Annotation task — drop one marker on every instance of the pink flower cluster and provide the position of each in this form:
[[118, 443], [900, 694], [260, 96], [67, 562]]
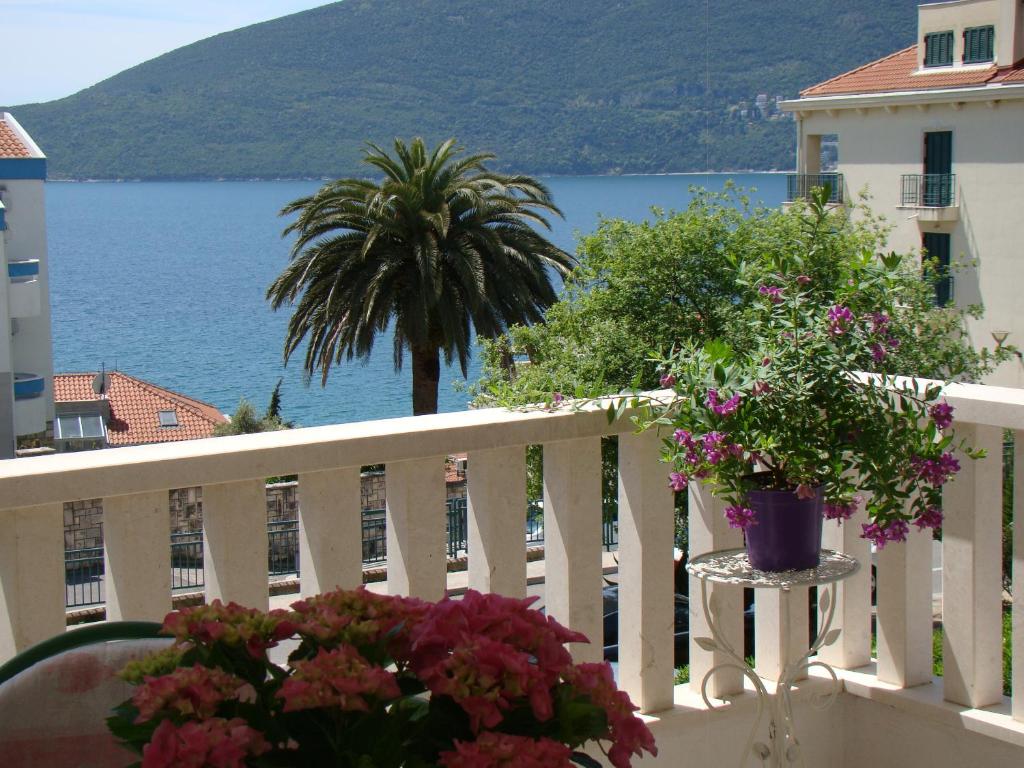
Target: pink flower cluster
[[935, 472], [212, 743], [941, 414], [667, 380], [930, 518], [337, 678], [722, 409], [882, 533], [360, 617], [841, 510], [740, 517], [191, 691], [840, 319], [701, 453], [231, 624], [884, 341], [629, 733], [772, 292], [501, 750]]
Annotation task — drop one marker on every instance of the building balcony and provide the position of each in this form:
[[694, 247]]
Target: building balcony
[[799, 186], [29, 404], [890, 710], [23, 289], [932, 195]]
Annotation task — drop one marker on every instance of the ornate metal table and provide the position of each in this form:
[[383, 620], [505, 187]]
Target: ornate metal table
[[730, 566]]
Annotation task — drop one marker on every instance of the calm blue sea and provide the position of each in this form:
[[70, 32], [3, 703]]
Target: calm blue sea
[[166, 281]]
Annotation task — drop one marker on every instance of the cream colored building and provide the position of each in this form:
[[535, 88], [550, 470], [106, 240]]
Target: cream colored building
[[26, 356], [935, 135]]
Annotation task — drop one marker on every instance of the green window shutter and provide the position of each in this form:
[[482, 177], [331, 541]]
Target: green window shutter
[[979, 44], [938, 49]]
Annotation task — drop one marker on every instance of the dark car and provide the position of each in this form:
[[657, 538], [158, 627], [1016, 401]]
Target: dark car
[[610, 597]]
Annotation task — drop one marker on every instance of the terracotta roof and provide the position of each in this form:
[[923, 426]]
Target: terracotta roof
[[10, 143], [135, 406], [899, 72]]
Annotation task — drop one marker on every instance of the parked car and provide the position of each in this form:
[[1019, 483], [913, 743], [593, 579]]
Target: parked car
[[610, 596]]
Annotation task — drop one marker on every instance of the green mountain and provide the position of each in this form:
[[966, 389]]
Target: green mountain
[[551, 86]]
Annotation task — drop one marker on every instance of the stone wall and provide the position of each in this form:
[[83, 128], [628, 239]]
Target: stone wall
[[83, 520]]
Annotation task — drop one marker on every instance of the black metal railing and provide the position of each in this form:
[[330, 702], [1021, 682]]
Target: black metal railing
[[928, 190], [799, 186], [84, 567]]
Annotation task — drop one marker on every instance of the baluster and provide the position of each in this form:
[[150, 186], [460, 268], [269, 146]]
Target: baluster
[[137, 556], [781, 629], [903, 595], [853, 596], [972, 576], [235, 545], [415, 501], [572, 540], [32, 588], [330, 530], [709, 531], [496, 510], [1017, 648], [646, 611]]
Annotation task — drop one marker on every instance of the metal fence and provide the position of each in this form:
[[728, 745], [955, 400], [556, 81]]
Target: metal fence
[[799, 185], [928, 190], [84, 567]]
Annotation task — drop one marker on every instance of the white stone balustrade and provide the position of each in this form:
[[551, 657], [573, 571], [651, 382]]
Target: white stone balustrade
[[961, 720]]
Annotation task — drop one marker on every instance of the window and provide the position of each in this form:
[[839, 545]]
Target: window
[[69, 426], [938, 49], [979, 44], [168, 418], [936, 252]]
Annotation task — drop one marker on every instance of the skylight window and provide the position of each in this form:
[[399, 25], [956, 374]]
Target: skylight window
[[71, 426], [168, 418], [938, 49]]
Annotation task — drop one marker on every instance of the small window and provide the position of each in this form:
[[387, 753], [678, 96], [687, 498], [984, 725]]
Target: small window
[[938, 49], [979, 44], [72, 426], [168, 418]]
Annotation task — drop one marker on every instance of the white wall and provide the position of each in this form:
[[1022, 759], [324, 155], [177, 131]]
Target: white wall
[[877, 145]]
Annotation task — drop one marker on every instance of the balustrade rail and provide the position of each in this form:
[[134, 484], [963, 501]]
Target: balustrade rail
[[928, 190], [799, 186], [976, 723]]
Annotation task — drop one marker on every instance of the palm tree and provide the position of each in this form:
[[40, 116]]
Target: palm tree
[[441, 246]]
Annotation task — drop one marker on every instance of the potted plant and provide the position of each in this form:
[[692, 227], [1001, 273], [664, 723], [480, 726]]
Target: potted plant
[[782, 426], [375, 682]]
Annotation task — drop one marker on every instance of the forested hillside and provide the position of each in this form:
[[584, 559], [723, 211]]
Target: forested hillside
[[566, 86]]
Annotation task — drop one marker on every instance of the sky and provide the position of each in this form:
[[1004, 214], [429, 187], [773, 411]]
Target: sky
[[54, 48]]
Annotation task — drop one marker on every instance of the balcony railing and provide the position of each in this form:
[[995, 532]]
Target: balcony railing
[[959, 719], [928, 190], [799, 186]]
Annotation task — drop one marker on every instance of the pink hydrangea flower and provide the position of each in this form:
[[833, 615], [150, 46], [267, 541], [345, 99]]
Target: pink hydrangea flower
[[191, 691], [337, 678], [498, 750], [630, 736], [231, 624], [217, 743]]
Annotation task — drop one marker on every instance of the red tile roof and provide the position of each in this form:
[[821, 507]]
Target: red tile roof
[[899, 72], [135, 406], [11, 144]]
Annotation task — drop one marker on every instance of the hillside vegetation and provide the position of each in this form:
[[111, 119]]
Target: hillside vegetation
[[570, 87]]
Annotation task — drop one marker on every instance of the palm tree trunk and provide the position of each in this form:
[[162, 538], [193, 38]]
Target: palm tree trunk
[[426, 372]]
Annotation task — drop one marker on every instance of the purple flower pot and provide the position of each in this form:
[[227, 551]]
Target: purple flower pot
[[786, 535]]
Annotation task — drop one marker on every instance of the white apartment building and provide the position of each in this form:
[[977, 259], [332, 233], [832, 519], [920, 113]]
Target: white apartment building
[[935, 135], [26, 356]]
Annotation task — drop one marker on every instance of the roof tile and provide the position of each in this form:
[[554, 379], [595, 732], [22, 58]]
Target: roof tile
[[11, 144], [899, 72], [134, 409]]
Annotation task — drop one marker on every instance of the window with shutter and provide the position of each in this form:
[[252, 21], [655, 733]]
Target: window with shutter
[[938, 49], [979, 44]]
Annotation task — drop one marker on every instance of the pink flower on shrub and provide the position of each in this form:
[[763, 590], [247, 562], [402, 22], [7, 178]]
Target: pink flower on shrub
[[935, 472], [497, 750], [231, 624], [772, 292], [841, 510], [804, 491], [803, 279], [762, 388], [217, 743], [722, 409], [629, 734], [930, 518], [190, 691], [557, 398], [667, 380], [874, 533], [338, 678], [941, 414], [840, 319], [682, 437], [880, 535], [740, 517], [878, 352], [677, 481]]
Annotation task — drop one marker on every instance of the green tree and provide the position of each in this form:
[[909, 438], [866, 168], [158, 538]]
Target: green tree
[[246, 421], [440, 247]]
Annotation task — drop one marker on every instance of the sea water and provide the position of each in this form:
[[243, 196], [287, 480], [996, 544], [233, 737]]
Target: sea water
[[167, 282]]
